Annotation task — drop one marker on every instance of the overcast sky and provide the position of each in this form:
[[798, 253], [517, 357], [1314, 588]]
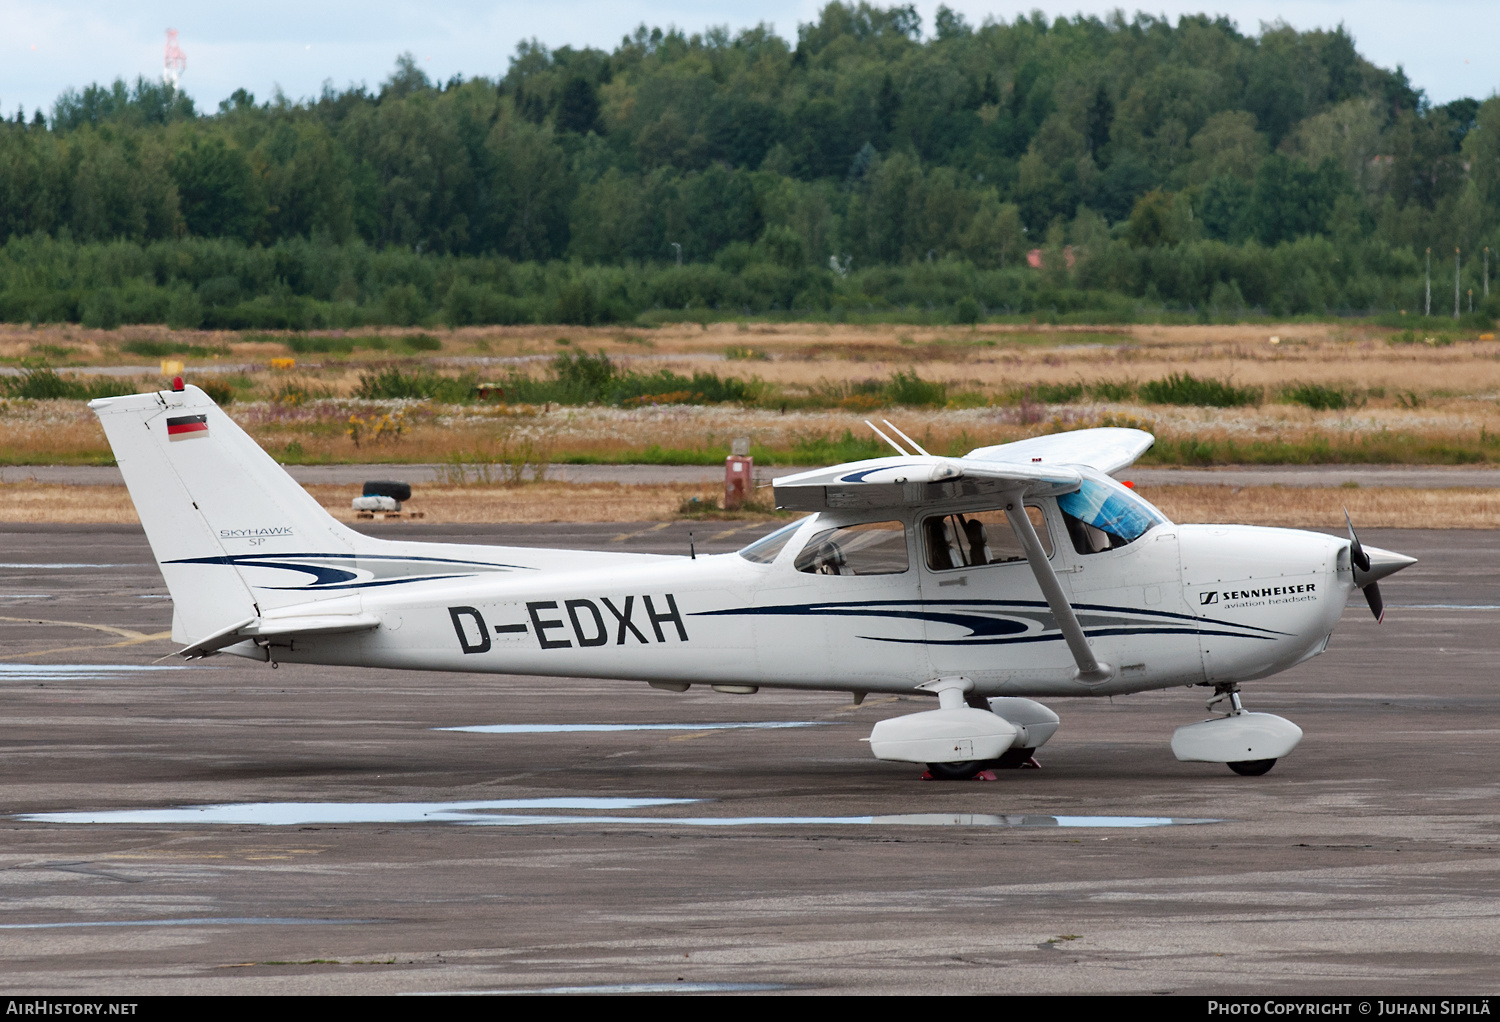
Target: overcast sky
[[1448, 47]]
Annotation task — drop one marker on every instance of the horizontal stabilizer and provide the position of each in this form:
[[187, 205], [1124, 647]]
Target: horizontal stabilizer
[[279, 628]]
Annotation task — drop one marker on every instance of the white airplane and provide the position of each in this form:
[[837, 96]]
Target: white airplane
[[1016, 572]]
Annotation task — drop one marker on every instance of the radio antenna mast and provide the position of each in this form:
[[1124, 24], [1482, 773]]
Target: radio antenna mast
[[174, 62]]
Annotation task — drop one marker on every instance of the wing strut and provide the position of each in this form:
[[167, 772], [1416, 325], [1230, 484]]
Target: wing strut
[[899, 448], [1090, 670]]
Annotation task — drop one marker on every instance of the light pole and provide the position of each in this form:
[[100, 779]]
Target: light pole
[[1455, 283], [679, 251], [1486, 271], [1427, 308]]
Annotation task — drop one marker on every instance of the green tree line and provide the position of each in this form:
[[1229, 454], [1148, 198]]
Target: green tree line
[[868, 165]]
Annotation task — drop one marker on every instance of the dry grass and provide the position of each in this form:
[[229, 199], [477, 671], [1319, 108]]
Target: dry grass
[[1440, 395], [1320, 507], [58, 432], [539, 502], [1297, 507], [66, 505]]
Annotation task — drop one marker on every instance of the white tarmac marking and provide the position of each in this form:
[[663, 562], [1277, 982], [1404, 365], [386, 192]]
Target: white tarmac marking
[[730, 532], [281, 814], [78, 672], [614, 988], [21, 564], [554, 729], [210, 921], [622, 537]]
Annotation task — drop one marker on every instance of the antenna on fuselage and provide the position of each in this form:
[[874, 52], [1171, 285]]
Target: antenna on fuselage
[[888, 439], [903, 436]]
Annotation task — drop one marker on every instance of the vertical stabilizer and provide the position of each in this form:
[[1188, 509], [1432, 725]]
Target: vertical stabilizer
[[213, 504]]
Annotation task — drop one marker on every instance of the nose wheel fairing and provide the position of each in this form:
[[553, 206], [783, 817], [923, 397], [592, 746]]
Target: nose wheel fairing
[[1243, 738], [1248, 743]]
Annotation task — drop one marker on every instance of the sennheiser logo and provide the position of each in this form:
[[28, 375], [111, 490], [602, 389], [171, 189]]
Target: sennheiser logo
[[1204, 599]]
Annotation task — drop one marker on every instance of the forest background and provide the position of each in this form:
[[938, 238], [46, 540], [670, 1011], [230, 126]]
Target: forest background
[[864, 171]]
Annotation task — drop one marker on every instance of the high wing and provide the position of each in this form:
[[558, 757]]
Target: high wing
[[1041, 466], [1107, 449]]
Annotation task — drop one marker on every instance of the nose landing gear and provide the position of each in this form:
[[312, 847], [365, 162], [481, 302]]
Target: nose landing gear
[[1248, 743]]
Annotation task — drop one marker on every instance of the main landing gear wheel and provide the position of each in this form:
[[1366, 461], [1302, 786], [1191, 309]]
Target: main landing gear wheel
[[962, 771], [1252, 767]]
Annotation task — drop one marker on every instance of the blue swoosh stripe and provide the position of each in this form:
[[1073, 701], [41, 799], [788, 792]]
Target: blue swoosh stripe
[[1058, 636], [326, 577], [343, 555], [859, 477], [364, 585], [869, 608]]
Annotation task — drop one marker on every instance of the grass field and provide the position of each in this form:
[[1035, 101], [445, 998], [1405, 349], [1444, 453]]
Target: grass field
[[1321, 393]]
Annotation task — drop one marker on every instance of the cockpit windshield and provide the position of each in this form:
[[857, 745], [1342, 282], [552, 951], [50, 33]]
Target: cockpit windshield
[[1103, 515], [765, 549]]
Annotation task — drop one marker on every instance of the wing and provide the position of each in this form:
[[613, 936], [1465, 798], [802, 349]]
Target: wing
[[1025, 468], [920, 479], [1041, 466], [1108, 449]]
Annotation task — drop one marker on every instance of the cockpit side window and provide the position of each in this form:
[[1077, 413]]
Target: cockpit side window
[[873, 548], [977, 538], [1106, 516]]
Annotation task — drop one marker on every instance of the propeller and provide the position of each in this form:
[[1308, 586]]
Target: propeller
[[1360, 561], [1372, 565]]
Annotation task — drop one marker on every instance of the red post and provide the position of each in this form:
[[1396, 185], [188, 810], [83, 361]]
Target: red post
[[739, 480]]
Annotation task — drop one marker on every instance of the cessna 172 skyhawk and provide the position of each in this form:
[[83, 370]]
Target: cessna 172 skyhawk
[[1016, 572]]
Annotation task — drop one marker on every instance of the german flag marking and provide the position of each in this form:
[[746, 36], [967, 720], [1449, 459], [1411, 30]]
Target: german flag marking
[[186, 427]]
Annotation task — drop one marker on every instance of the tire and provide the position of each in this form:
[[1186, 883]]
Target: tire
[[1252, 767], [963, 771], [1013, 759]]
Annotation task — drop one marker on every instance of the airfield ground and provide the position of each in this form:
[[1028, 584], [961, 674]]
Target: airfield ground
[[1374, 395], [1365, 862]]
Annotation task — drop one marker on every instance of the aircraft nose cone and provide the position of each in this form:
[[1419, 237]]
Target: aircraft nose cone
[[1382, 563]]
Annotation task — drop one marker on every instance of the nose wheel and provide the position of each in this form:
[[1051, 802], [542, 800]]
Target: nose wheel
[[1248, 743], [1252, 767], [1230, 695]]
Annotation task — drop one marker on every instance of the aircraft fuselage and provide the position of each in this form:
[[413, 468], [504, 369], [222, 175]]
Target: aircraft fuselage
[[1182, 605]]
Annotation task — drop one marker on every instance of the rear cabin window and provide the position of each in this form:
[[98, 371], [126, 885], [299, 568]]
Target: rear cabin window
[[977, 538], [1106, 516], [874, 548]]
